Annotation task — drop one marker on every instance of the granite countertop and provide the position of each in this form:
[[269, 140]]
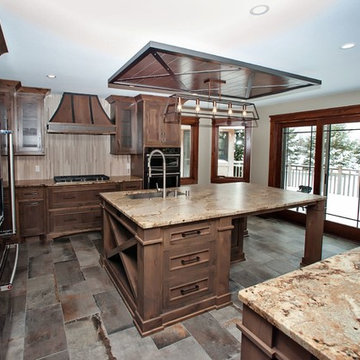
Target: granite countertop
[[317, 306], [50, 182], [207, 202]]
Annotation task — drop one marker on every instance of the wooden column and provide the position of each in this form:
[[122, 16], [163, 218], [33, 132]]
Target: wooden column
[[149, 291], [314, 233], [223, 251]]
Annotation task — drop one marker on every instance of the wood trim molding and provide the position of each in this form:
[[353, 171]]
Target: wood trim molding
[[305, 118], [194, 157], [214, 153]]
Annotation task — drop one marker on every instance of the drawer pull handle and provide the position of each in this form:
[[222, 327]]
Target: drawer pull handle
[[190, 261], [36, 203], [31, 193], [189, 233], [67, 197], [70, 220], [189, 290]]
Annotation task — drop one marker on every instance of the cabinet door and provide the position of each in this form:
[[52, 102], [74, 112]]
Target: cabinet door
[[128, 137], [31, 217], [29, 118], [153, 123], [171, 134]]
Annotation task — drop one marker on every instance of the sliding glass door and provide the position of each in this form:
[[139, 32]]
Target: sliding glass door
[[341, 172]]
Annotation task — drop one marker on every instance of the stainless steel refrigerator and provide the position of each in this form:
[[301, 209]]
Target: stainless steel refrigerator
[[9, 249]]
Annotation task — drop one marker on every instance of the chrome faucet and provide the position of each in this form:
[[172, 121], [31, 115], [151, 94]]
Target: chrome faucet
[[157, 151]]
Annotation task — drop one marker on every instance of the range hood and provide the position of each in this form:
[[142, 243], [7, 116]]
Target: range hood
[[164, 68], [80, 114]]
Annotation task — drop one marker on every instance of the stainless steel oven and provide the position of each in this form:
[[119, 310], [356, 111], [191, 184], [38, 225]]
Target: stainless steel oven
[[172, 160]]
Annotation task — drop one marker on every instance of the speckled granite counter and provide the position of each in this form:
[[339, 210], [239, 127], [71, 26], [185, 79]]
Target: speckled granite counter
[[317, 306], [208, 202]]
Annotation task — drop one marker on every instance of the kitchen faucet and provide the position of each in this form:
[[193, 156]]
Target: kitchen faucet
[[157, 151]]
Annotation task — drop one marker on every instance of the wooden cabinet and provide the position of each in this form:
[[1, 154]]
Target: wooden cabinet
[[140, 122], [75, 208], [157, 132], [31, 209], [167, 274], [128, 137], [22, 111]]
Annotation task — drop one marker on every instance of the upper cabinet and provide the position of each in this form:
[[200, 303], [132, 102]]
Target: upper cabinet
[[22, 111], [140, 122], [29, 120]]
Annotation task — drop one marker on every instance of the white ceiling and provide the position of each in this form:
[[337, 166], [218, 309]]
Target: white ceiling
[[83, 42]]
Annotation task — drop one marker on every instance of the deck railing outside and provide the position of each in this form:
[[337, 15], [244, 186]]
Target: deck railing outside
[[341, 181]]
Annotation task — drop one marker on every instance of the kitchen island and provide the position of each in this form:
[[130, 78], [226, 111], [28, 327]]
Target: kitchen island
[[311, 313], [170, 258]]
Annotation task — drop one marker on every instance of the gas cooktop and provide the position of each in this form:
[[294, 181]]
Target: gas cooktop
[[77, 178]]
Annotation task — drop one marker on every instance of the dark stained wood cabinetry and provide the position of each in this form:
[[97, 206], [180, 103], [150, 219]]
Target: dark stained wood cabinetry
[[31, 209], [72, 208], [167, 274], [140, 122], [156, 131], [57, 210], [22, 111]]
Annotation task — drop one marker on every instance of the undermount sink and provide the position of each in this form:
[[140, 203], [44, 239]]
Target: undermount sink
[[150, 195]]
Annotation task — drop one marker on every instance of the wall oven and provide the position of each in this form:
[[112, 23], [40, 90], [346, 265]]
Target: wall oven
[[172, 160]]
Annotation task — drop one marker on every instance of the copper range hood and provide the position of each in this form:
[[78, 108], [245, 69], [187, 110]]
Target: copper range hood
[[80, 114]]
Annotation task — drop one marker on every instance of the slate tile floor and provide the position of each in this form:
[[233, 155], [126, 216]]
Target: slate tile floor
[[65, 306]]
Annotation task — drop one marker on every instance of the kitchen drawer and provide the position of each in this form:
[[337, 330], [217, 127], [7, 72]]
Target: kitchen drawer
[[62, 220], [30, 193], [184, 235], [131, 185], [185, 293], [78, 195], [188, 260]]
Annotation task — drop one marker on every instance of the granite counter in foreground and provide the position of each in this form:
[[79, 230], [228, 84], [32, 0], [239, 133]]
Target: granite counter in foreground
[[317, 306]]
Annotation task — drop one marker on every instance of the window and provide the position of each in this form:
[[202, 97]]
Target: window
[[230, 159], [189, 150]]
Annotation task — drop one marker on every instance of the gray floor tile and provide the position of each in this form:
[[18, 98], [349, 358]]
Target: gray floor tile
[[62, 251], [45, 333], [83, 340], [186, 349], [62, 355], [41, 264], [114, 313], [15, 349], [41, 291], [97, 279], [87, 256], [129, 345], [215, 340], [68, 273], [18, 317]]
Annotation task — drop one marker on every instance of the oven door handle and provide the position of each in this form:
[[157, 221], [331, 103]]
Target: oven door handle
[[9, 285]]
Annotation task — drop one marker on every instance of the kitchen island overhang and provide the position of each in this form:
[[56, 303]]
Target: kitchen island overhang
[[170, 258]]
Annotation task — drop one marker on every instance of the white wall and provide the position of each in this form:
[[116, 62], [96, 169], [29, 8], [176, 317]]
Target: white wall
[[204, 159], [261, 135]]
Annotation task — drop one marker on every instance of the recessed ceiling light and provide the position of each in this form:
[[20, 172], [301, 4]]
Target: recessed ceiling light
[[259, 9], [51, 76], [346, 46]]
